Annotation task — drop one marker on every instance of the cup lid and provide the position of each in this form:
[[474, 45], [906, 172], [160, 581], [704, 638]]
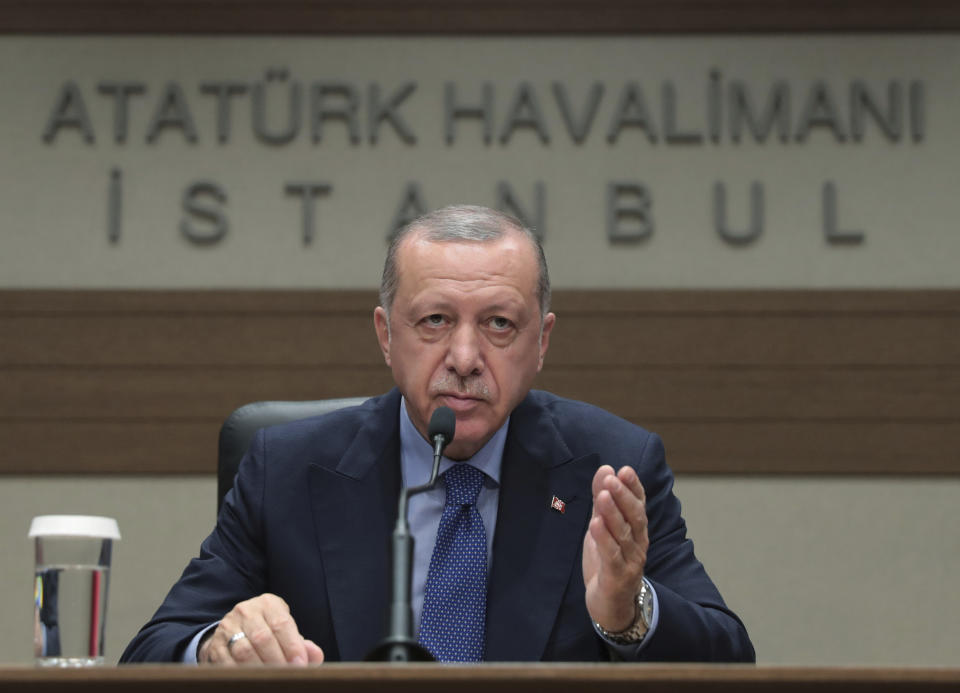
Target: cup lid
[[74, 526]]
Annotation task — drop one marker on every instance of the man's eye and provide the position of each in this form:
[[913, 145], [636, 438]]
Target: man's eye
[[434, 320], [500, 323]]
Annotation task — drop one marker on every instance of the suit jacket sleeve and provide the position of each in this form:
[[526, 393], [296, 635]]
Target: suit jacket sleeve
[[229, 569], [694, 623]]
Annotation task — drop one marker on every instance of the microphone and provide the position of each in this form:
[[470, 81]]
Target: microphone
[[443, 426], [399, 645]]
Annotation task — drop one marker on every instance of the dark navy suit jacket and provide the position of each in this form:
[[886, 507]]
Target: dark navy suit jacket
[[313, 508]]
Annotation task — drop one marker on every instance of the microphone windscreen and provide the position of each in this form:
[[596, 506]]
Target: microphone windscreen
[[443, 422]]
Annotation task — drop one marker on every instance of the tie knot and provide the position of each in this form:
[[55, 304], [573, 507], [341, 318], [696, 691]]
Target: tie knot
[[463, 484]]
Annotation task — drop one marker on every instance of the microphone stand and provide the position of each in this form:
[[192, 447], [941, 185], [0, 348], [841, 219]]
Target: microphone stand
[[399, 645]]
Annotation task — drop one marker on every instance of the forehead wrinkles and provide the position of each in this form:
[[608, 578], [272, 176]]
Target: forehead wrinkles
[[466, 266]]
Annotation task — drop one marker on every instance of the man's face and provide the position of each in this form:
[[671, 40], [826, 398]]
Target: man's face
[[465, 332]]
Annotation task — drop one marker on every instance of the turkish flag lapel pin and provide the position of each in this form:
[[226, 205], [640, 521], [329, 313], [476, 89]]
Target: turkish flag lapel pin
[[558, 505]]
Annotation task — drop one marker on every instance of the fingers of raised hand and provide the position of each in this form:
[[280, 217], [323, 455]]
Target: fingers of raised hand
[[620, 504], [604, 544], [628, 476], [598, 478]]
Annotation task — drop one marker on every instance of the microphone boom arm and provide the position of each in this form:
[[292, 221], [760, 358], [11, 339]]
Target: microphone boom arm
[[399, 645]]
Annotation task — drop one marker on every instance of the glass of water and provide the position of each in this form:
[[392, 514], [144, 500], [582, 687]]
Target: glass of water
[[71, 581]]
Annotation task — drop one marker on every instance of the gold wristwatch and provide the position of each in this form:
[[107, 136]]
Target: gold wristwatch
[[641, 622]]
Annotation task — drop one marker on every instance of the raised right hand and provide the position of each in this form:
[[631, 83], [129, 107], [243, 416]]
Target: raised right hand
[[270, 636]]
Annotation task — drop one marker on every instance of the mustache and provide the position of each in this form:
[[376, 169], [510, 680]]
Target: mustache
[[470, 386]]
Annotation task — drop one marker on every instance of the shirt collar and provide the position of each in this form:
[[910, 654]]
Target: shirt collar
[[416, 454]]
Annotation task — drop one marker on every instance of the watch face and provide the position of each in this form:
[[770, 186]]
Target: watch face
[[646, 606], [647, 610]]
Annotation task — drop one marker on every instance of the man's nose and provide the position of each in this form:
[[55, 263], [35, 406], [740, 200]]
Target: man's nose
[[464, 352]]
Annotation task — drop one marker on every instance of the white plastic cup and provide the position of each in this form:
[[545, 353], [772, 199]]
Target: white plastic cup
[[71, 581]]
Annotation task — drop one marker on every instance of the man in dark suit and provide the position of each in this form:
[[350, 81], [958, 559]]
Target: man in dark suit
[[586, 552]]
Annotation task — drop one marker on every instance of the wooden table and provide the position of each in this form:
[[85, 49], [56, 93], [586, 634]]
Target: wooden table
[[497, 678]]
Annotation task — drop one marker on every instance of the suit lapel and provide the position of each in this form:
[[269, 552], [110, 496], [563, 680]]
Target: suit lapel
[[535, 547], [354, 508]]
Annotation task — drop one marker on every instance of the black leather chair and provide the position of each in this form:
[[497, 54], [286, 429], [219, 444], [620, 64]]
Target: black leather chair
[[237, 431]]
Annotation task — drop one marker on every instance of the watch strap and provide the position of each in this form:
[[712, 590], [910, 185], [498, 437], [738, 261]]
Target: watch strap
[[637, 630]]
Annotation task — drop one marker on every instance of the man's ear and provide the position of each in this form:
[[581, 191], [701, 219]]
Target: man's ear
[[548, 323], [381, 323]]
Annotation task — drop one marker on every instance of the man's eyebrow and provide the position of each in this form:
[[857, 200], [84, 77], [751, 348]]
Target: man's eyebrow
[[505, 306], [431, 306], [427, 306]]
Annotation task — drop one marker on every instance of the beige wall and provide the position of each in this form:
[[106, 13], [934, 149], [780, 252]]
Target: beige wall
[[54, 196], [822, 571]]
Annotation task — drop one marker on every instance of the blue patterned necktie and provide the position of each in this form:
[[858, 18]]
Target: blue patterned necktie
[[453, 621]]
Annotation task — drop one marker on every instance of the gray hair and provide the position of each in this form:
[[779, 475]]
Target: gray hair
[[462, 223]]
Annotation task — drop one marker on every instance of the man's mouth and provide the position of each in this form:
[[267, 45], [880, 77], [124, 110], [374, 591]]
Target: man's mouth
[[459, 401]]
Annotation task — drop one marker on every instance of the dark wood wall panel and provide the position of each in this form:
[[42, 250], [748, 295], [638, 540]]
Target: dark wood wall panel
[[763, 382], [773, 339], [102, 393], [763, 394], [472, 17], [810, 447], [196, 338], [728, 328], [123, 446], [637, 394]]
